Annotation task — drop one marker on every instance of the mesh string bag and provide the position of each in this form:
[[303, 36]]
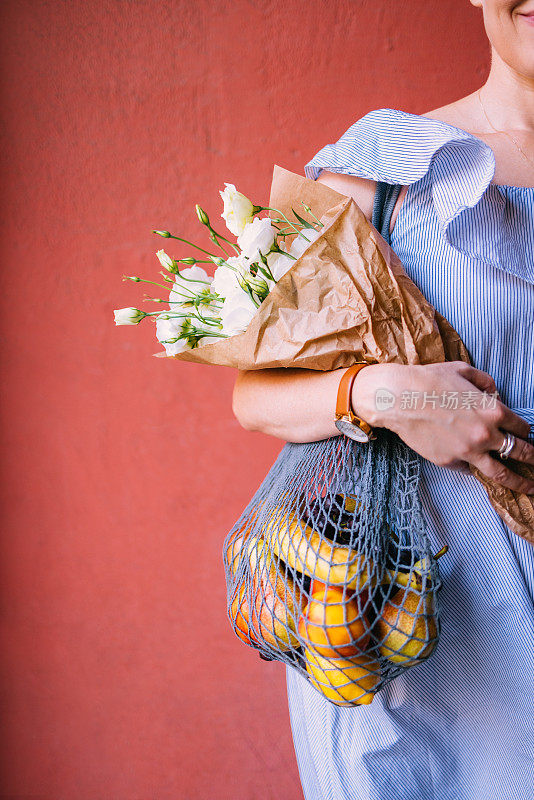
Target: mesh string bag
[[329, 568]]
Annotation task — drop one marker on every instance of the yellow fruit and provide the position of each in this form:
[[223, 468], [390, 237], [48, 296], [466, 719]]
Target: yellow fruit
[[239, 538], [278, 601], [332, 625], [240, 616], [342, 681], [233, 552], [414, 577], [407, 630], [306, 551]]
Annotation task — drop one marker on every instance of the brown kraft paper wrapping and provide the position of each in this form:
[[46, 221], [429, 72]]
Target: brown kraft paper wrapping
[[348, 299]]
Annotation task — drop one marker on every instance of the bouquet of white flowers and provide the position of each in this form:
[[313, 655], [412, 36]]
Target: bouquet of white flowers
[[204, 309], [318, 289]]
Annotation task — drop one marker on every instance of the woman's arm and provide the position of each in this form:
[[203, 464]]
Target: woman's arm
[[292, 404], [298, 405]]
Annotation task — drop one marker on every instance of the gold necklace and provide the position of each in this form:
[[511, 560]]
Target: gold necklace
[[509, 135]]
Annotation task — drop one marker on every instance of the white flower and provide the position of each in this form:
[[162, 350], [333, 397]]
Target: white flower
[[170, 329], [174, 327], [257, 237], [128, 316], [188, 284], [225, 281], [203, 317], [237, 311], [183, 313], [279, 264], [300, 243], [238, 210]]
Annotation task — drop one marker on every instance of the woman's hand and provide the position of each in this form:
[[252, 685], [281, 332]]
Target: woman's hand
[[446, 413]]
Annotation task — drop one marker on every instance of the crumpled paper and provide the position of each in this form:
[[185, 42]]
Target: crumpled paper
[[348, 299]]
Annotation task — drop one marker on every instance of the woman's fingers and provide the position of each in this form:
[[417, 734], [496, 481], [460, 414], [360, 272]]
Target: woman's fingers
[[521, 451], [508, 420], [460, 466], [478, 378], [504, 417], [497, 471]]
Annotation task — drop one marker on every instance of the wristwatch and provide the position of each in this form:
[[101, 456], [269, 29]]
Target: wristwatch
[[346, 421]]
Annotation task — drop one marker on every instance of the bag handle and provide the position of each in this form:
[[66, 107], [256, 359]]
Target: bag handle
[[386, 196]]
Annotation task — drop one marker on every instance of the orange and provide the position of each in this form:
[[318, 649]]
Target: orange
[[277, 602], [240, 616], [344, 682], [317, 586], [233, 551], [332, 625]]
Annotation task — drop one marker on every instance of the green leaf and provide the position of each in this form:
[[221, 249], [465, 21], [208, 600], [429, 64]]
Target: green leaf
[[302, 221], [265, 273]]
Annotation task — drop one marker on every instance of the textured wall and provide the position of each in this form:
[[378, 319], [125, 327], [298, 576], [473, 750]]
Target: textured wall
[[121, 679]]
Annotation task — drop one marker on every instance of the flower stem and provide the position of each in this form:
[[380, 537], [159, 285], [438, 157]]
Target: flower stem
[[173, 315], [142, 280], [310, 212], [220, 236], [179, 239], [267, 208]]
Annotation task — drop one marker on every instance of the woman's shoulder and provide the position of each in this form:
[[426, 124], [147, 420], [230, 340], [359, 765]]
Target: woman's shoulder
[[398, 147], [461, 114], [391, 146]]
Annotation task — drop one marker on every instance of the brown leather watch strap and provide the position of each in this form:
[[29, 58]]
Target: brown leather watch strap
[[344, 394]]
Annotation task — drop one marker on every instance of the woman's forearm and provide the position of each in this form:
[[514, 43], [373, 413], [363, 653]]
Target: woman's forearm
[[296, 405]]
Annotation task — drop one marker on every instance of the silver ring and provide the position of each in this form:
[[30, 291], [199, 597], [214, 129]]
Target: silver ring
[[507, 446]]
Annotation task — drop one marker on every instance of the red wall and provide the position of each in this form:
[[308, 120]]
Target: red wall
[[121, 679]]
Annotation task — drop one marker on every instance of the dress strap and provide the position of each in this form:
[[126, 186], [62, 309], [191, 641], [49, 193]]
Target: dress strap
[[386, 196]]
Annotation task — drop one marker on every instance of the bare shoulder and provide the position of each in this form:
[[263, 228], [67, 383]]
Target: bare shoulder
[[360, 189], [463, 114]]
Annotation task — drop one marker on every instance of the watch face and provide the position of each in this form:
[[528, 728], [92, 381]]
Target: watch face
[[350, 430]]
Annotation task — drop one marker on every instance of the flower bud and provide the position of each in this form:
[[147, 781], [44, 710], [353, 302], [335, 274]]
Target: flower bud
[[165, 234], [167, 262], [190, 261], [218, 261], [258, 285], [240, 278], [203, 217], [133, 278], [238, 210], [128, 316]]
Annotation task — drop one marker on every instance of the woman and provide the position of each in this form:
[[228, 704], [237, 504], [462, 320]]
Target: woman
[[459, 725]]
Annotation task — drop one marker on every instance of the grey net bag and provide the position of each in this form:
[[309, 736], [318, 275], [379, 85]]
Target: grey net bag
[[329, 568]]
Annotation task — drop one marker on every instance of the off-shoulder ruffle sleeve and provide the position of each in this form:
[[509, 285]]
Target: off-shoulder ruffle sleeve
[[475, 216]]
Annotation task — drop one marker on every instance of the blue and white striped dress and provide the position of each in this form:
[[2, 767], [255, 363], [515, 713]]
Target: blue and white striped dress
[[459, 726]]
